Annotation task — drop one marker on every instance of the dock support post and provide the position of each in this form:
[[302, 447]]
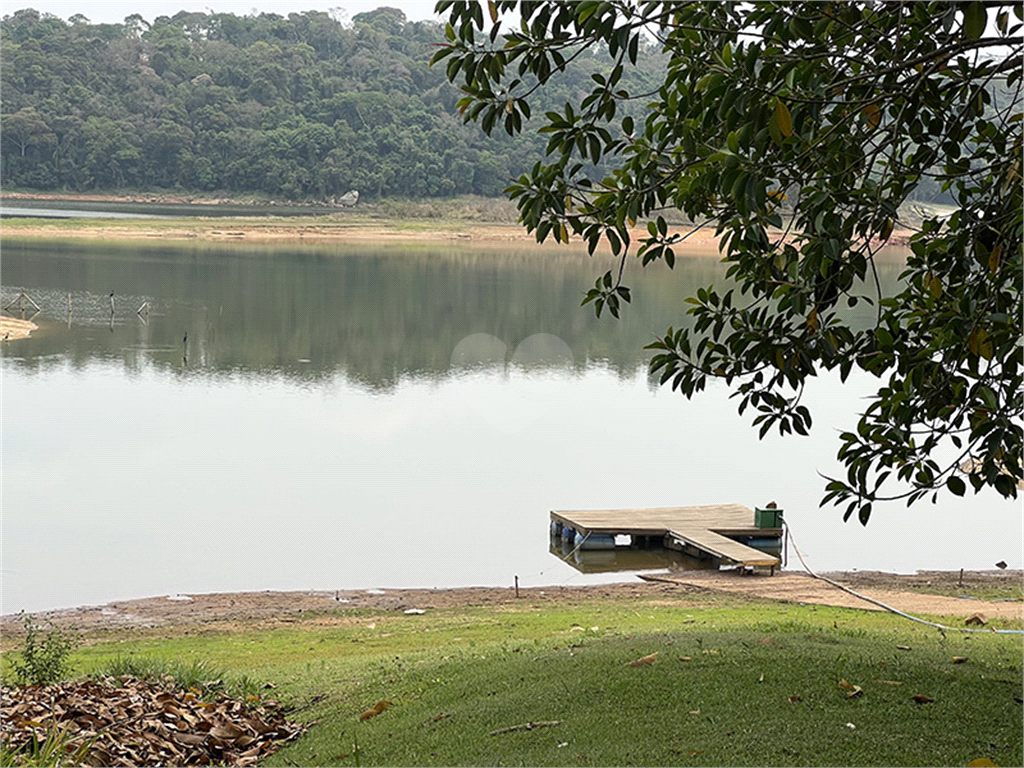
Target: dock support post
[[517, 587]]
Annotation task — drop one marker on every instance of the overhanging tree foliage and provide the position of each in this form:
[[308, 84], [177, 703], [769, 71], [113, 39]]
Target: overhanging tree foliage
[[797, 130]]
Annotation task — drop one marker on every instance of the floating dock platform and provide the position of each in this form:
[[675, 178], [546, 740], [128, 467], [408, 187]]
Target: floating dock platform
[[707, 532]]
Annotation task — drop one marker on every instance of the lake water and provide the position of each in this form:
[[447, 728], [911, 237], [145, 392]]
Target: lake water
[[318, 418]]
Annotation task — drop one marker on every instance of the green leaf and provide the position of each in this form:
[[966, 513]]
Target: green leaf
[[975, 19], [956, 485]]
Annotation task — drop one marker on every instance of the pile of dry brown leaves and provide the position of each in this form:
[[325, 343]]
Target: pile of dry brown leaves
[[139, 722]]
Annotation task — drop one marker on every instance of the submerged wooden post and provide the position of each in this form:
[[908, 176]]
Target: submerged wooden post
[[143, 308], [111, 303], [69, 303]]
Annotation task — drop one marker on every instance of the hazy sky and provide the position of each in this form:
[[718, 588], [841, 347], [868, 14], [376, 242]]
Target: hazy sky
[[114, 11]]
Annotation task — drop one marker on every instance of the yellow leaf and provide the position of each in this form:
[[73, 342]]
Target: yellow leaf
[[935, 286], [979, 345], [644, 660], [375, 710], [563, 234], [493, 10], [886, 229], [982, 762], [509, 105], [888, 682], [812, 319], [783, 120], [873, 115], [857, 691], [959, 659], [846, 685], [776, 194], [993, 258]]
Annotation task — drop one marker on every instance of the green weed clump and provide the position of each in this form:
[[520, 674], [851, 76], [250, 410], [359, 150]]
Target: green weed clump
[[46, 656], [56, 748], [194, 674]]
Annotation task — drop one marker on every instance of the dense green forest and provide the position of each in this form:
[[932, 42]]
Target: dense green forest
[[303, 107]]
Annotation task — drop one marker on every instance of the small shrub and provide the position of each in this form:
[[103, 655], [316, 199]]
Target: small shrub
[[46, 656]]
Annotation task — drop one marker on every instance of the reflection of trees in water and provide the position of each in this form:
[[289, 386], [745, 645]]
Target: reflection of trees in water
[[376, 317]]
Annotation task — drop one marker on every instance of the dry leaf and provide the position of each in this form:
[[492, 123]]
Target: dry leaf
[[122, 722], [693, 712], [375, 710], [796, 698], [920, 698], [686, 658], [982, 762], [761, 678], [644, 660], [888, 682], [902, 647], [976, 619], [851, 689], [959, 659]]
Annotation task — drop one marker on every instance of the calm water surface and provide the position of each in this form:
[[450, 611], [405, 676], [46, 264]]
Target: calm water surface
[[325, 419]]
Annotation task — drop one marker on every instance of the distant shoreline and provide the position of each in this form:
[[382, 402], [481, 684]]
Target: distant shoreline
[[407, 223]]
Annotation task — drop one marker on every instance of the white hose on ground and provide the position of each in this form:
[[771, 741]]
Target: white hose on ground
[[880, 604]]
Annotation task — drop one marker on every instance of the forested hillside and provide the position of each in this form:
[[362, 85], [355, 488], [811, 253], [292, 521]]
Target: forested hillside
[[297, 107]]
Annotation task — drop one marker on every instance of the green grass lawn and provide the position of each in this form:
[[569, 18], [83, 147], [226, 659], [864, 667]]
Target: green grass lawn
[[734, 683]]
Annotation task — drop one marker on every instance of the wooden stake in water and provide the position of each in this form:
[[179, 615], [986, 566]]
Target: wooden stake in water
[[111, 303], [69, 303]]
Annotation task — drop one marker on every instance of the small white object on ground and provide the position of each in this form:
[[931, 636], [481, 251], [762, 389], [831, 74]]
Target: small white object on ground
[[414, 611], [850, 725], [180, 598], [375, 592]]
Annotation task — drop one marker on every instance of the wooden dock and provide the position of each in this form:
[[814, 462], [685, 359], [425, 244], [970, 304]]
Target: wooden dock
[[709, 531]]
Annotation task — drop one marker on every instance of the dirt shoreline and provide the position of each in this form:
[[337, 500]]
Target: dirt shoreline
[[358, 226], [225, 611]]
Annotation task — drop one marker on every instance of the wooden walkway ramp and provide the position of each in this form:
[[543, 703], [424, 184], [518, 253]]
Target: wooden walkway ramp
[[696, 530]]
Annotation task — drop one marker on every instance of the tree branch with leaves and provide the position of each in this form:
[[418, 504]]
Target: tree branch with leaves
[[798, 131]]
